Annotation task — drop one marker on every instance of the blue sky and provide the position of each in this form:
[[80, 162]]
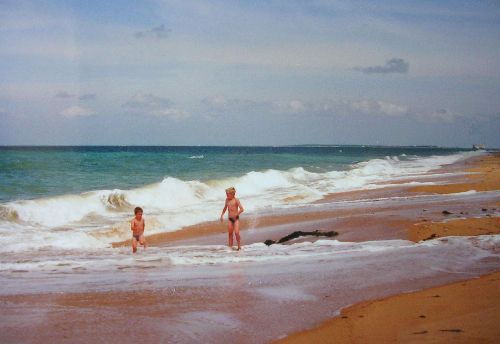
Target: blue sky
[[250, 72]]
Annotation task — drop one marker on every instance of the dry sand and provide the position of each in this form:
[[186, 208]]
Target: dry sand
[[464, 312], [461, 227], [485, 177]]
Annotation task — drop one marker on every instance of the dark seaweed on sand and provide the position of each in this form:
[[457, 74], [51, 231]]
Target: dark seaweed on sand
[[298, 234]]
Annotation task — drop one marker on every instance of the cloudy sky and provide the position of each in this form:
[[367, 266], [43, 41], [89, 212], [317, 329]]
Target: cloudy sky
[[227, 72]]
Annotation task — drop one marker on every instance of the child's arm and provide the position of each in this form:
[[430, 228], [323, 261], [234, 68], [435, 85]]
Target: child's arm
[[241, 209], [132, 225], [223, 211]]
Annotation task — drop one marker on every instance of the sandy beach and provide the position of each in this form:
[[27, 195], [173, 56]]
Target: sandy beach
[[484, 176], [249, 172], [396, 247], [464, 312]]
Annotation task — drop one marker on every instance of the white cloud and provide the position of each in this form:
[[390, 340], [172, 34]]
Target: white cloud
[[367, 107], [445, 115], [378, 107], [219, 104], [172, 113], [76, 111], [216, 103], [294, 106], [149, 104], [300, 106], [440, 115], [331, 107], [342, 107]]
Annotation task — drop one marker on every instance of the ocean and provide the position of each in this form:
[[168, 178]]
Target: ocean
[[61, 208], [89, 192], [39, 172]]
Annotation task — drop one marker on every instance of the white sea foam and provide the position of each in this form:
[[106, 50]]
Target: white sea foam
[[470, 192], [97, 218], [259, 252], [470, 248]]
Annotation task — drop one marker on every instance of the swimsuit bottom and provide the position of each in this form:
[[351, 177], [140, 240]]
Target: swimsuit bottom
[[233, 220], [137, 237]]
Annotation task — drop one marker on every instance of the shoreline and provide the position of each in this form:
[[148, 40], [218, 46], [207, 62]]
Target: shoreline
[[475, 310], [223, 301], [485, 177], [462, 312]]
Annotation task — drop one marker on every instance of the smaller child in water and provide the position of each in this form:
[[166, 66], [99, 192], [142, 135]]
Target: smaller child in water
[[234, 208], [137, 226]]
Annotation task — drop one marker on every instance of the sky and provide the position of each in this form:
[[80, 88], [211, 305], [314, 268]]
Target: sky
[[228, 72]]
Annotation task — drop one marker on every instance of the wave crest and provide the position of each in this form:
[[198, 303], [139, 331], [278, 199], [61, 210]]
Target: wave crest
[[117, 200], [8, 214], [174, 203]]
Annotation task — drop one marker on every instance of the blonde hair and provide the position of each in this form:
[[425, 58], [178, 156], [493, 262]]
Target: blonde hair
[[231, 190]]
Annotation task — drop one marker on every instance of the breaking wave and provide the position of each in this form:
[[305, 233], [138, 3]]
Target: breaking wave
[[174, 203]]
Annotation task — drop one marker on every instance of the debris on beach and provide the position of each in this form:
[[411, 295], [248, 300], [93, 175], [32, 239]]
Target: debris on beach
[[432, 236], [298, 234], [457, 330]]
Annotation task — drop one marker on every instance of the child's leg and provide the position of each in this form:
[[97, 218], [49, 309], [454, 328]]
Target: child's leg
[[237, 232], [142, 241], [134, 245], [230, 229]]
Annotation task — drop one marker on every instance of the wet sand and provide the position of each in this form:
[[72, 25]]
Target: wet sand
[[379, 222], [152, 314], [482, 174], [463, 312], [237, 302], [485, 176], [461, 227], [273, 225]]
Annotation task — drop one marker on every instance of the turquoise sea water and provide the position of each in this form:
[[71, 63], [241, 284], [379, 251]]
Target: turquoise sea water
[[62, 208], [37, 172], [89, 193]]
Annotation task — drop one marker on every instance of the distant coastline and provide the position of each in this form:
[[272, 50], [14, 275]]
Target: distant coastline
[[314, 145]]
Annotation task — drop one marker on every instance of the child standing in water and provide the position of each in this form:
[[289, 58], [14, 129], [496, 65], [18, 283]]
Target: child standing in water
[[137, 226], [234, 208]]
